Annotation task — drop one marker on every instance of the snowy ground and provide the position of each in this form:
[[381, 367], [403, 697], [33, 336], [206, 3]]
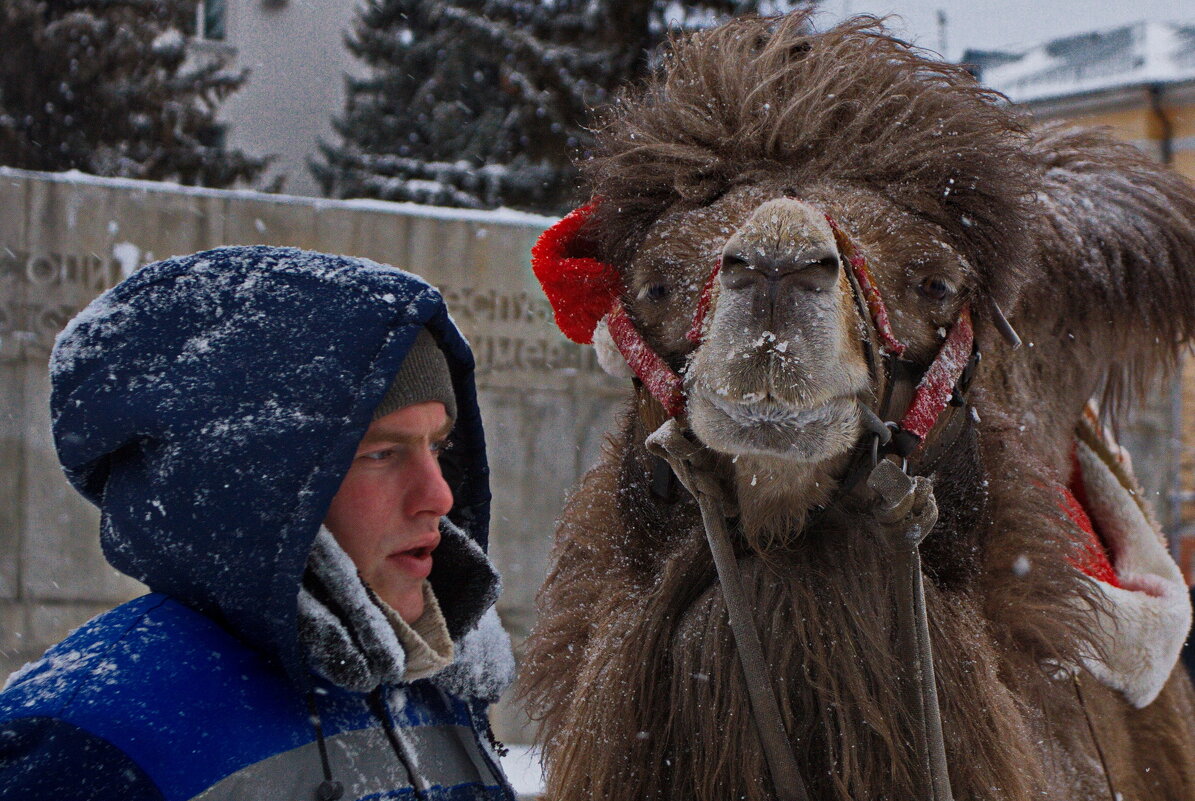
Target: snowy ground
[[522, 768]]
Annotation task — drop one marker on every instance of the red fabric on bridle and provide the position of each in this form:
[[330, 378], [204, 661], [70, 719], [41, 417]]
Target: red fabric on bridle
[[934, 391], [936, 386], [660, 379], [867, 285], [703, 305], [580, 288]]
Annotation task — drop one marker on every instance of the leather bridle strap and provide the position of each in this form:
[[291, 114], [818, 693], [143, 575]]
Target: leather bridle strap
[[907, 512], [867, 293], [648, 366], [937, 385], [669, 442]]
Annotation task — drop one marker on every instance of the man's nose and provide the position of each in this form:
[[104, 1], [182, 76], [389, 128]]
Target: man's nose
[[430, 493]]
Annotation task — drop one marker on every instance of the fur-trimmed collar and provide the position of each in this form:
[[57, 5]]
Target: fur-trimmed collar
[[354, 640]]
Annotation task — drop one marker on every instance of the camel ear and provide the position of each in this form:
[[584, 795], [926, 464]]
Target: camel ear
[[1119, 229], [580, 288]]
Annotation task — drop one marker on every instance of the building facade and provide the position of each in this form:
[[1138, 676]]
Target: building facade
[[1138, 80], [296, 57]]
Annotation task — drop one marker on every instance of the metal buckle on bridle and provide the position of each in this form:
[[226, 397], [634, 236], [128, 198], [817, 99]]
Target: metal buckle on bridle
[[878, 441]]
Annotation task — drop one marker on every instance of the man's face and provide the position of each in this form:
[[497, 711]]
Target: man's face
[[386, 514]]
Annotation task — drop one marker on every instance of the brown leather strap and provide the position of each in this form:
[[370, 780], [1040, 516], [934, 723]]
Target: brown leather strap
[[907, 513], [670, 443]]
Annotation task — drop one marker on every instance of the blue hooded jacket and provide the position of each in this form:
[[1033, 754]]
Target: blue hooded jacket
[[210, 406]]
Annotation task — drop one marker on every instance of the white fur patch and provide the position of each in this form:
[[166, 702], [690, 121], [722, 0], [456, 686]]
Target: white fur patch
[[608, 354], [1149, 615], [485, 664]]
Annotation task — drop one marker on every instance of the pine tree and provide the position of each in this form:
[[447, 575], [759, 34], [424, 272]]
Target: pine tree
[[427, 121], [104, 86], [480, 103]]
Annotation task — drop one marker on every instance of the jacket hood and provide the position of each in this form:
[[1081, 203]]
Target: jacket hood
[[210, 405]]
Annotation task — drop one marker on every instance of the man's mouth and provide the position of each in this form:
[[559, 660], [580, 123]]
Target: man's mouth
[[415, 562]]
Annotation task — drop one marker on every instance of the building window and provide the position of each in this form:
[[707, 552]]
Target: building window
[[209, 20]]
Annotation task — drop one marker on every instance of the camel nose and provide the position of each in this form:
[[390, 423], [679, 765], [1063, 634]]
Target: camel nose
[[815, 271]]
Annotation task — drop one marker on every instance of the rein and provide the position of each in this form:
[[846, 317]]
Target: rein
[[905, 508]]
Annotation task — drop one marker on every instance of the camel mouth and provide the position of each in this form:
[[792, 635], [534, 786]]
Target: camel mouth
[[768, 412], [764, 425]]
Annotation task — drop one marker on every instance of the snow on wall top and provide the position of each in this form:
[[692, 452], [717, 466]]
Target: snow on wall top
[[1143, 53], [502, 215]]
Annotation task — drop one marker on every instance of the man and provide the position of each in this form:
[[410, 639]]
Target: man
[[263, 430]]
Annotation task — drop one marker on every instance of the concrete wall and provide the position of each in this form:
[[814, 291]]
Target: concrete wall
[[64, 239]]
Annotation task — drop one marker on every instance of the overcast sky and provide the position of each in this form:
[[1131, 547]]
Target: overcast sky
[[1011, 24]]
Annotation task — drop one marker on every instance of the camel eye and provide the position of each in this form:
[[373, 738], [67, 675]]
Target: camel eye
[[654, 292], [935, 288]]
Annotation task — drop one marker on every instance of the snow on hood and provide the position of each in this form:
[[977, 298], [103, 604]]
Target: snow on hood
[[209, 405]]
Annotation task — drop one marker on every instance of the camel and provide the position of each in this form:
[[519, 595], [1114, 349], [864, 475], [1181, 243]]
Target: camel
[[787, 222]]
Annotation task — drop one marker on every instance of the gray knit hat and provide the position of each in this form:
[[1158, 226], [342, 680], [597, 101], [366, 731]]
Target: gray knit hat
[[423, 377]]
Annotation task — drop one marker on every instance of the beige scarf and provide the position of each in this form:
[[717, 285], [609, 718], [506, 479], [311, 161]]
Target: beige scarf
[[354, 639]]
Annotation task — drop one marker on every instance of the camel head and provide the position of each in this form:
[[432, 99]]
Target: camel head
[[787, 356], [719, 186], [780, 370]]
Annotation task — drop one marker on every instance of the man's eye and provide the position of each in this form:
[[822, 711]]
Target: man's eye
[[441, 447], [379, 456]]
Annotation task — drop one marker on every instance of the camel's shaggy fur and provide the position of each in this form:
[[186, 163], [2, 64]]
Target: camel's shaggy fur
[[1089, 245]]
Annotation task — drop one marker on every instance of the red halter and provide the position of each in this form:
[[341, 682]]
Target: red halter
[[583, 291]]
